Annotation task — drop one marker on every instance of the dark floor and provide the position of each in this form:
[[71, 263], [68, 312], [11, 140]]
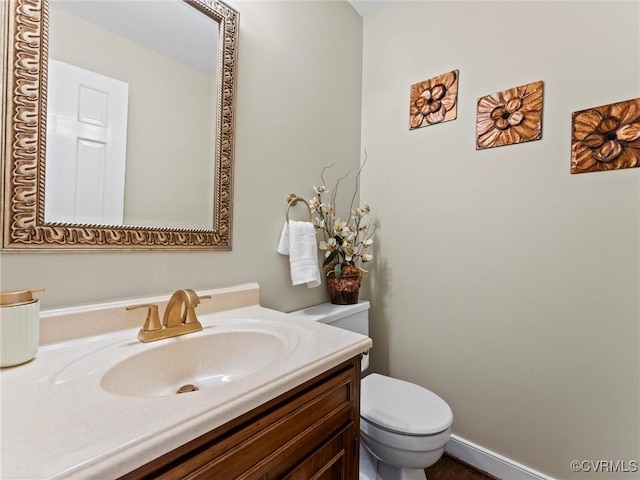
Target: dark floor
[[449, 468]]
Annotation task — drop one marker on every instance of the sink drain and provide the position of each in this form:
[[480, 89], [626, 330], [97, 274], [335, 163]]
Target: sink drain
[[187, 388]]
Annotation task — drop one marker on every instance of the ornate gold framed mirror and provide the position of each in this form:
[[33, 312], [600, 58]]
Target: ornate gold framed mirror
[[29, 218]]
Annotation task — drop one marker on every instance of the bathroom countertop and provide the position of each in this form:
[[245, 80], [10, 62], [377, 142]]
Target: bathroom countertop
[[56, 425]]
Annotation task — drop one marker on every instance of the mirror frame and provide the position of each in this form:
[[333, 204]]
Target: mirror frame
[[23, 144]]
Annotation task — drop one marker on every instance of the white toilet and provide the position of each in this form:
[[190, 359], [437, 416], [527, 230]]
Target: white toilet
[[404, 427]]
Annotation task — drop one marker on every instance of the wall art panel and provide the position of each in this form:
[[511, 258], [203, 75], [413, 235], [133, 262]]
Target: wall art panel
[[434, 100], [510, 116], [606, 137]]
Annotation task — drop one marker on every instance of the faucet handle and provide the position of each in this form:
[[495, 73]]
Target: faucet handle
[[194, 298], [153, 319], [190, 314]]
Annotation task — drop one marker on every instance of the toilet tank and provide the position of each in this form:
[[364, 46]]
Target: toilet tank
[[354, 318]]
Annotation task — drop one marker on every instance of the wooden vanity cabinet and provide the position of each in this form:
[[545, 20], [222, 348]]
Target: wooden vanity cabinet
[[310, 432]]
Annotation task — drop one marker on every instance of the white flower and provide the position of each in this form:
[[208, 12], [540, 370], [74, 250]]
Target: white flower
[[315, 205], [328, 245], [368, 242], [318, 223], [366, 257], [340, 228], [362, 211], [349, 253], [320, 190], [327, 208]]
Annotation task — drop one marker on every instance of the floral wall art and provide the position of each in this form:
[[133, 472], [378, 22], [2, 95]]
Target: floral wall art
[[606, 137], [434, 101], [510, 116]]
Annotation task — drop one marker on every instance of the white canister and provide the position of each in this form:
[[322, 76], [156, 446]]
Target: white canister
[[19, 327]]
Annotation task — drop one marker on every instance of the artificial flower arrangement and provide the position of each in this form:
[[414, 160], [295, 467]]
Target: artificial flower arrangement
[[346, 243]]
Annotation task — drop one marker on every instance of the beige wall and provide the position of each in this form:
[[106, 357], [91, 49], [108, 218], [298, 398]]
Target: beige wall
[[298, 109], [169, 122], [503, 283]]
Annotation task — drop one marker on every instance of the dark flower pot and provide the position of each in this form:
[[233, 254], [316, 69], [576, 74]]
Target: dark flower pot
[[345, 290]]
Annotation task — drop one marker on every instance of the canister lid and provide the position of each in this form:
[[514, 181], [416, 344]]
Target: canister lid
[[18, 297]]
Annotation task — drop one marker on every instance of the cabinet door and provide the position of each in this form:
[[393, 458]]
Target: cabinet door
[[329, 462]]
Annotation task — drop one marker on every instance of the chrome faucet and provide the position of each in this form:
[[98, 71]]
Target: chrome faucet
[[179, 317]]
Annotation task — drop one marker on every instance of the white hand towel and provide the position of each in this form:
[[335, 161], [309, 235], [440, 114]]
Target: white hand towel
[[298, 240], [283, 246]]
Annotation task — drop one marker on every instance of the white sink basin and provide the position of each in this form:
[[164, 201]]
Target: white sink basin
[[202, 361], [215, 357]]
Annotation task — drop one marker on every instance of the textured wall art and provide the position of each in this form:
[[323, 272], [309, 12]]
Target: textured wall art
[[606, 137], [434, 100], [510, 116]]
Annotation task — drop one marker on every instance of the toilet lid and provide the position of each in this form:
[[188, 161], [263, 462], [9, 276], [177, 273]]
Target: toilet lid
[[403, 407]]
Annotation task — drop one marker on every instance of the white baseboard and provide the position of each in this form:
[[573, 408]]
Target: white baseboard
[[491, 462]]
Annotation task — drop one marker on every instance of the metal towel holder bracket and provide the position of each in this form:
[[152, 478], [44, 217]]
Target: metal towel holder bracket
[[292, 200]]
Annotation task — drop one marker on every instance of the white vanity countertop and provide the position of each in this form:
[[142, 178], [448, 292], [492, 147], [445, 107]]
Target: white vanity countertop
[[59, 425]]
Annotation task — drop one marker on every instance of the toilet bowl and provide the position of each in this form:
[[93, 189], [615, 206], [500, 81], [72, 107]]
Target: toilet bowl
[[404, 427]]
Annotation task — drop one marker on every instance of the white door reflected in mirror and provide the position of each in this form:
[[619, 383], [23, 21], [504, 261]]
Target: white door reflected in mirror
[[86, 146]]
